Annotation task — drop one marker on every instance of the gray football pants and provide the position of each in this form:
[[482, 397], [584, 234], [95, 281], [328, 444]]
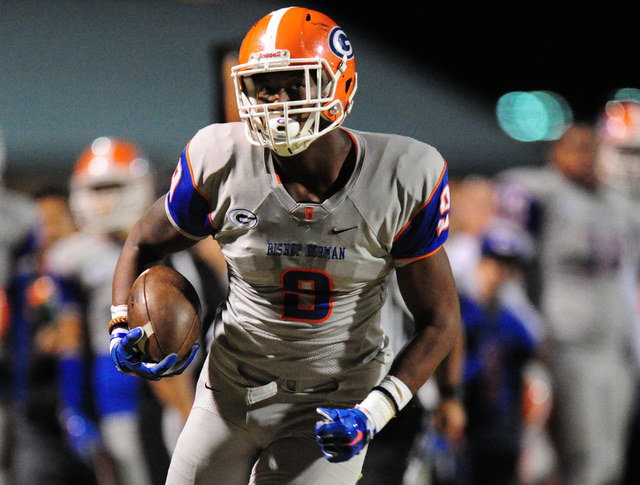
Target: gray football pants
[[259, 436], [594, 395]]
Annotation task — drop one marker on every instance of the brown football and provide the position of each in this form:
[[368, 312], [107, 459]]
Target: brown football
[[166, 305]]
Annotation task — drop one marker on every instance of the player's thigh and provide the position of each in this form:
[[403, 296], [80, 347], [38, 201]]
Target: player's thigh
[[299, 461], [211, 451]]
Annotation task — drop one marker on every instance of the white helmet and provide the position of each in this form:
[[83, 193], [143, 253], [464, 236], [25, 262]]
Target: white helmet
[[619, 155], [111, 187], [305, 41]]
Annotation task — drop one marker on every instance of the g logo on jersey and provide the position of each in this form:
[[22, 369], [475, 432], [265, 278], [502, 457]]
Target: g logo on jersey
[[243, 218], [339, 43]]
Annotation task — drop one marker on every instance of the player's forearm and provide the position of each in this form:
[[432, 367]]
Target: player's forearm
[[150, 240], [128, 268], [411, 369], [449, 373], [429, 290]]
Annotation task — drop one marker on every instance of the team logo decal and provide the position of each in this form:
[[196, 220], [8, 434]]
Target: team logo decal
[[339, 43], [243, 218]]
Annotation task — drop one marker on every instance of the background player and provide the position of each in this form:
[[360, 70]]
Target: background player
[[112, 185], [311, 228], [587, 237]]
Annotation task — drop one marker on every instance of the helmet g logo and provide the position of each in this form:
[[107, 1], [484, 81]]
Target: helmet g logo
[[339, 43]]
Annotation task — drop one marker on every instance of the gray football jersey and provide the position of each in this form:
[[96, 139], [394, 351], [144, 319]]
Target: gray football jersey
[[87, 261], [588, 246], [307, 280]]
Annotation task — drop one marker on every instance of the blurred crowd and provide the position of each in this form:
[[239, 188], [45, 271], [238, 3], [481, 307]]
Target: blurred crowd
[[546, 263]]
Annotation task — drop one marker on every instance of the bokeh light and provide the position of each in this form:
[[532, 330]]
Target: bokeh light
[[627, 94], [533, 115]]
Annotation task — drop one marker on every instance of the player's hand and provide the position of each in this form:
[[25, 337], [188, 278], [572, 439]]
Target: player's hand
[[450, 419], [128, 359], [342, 433]]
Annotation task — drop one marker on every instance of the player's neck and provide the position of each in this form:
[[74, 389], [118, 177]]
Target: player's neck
[[321, 170]]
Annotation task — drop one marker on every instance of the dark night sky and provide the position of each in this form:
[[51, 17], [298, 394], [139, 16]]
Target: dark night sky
[[583, 53]]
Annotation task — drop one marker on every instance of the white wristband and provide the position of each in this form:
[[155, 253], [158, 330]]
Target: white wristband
[[118, 311], [118, 317], [385, 401]]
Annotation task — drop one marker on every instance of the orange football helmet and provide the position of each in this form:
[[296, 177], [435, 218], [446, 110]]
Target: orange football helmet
[[111, 186], [295, 39]]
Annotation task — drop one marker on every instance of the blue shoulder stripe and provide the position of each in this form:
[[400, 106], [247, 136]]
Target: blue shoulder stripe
[[428, 229], [188, 207]]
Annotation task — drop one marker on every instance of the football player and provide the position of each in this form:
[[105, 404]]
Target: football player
[[111, 186], [312, 219], [619, 167], [587, 238]]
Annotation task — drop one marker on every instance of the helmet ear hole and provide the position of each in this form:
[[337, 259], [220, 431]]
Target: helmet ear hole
[[347, 85]]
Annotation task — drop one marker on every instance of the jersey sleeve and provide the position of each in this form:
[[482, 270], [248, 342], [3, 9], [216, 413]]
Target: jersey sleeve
[[428, 228], [186, 206]]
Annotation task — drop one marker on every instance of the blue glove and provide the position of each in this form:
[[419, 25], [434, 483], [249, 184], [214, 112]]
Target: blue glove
[[128, 359], [343, 433]]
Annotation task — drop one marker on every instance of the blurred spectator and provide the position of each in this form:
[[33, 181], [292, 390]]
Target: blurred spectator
[[618, 162], [587, 246], [436, 407], [499, 347], [39, 453], [473, 208], [16, 217]]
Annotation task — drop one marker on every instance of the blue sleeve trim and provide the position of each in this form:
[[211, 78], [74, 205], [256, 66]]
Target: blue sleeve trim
[[428, 229], [187, 206]]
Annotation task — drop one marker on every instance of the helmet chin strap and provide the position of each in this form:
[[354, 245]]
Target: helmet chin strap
[[290, 150]]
